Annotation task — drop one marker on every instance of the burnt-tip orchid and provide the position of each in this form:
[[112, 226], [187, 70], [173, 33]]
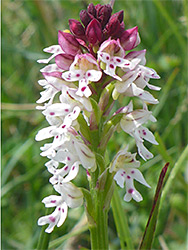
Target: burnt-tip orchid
[[91, 68]]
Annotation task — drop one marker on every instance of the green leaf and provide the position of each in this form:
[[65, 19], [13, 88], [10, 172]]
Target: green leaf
[[152, 221], [84, 129], [89, 206], [106, 99], [96, 109], [100, 161]]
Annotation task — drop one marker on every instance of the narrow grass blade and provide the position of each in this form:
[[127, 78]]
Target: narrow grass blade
[[172, 23], [121, 222], [151, 224], [178, 165], [17, 155]]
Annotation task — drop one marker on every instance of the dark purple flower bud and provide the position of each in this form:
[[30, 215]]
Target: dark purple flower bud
[[68, 43], [98, 6], [76, 28], [64, 61], [85, 17], [94, 32], [130, 38], [119, 15], [113, 27], [91, 9], [103, 14]]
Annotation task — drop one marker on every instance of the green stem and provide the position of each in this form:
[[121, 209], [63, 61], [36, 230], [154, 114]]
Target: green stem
[[101, 194], [99, 231], [43, 240]]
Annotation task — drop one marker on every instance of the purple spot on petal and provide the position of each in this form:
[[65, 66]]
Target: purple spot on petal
[[83, 89], [144, 132], [63, 210], [73, 167], [66, 110], [122, 174], [130, 191], [66, 168], [118, 60], [68, 158], [52, 113], [111, 66], [77, 75], [53, 201], [57, 137], [52, 219], [128, 177], [89, 74], [63, 126], [107, 58], [126, 64], [59, 208], [132, 172]]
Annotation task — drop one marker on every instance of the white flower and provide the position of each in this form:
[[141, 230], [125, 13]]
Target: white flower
[[54, 50], [135, 80], [112, 54], [70, 197], [125, 165], [56, 218], [84, 69], [132, 122]]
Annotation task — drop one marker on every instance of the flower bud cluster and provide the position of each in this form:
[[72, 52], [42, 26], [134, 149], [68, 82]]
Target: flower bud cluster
[[91, 69]]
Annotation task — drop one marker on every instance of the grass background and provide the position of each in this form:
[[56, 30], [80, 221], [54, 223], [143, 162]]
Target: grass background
[[27, 28]]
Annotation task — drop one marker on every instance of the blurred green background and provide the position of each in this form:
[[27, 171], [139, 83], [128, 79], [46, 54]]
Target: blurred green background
[[27, 28]]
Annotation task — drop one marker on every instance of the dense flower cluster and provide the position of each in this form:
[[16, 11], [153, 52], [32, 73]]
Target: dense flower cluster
[[90, 59]]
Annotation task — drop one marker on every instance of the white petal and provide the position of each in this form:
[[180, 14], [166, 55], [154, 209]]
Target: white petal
[[44, 133], [93, 75], [83, 100], [57, 109], [51, 219], [150, 86], [83, 90], [72, 195], [47, 94], [53, 49], [51, 68], [146, 96], [119, 177], [52, 201], [134, 119], [72, 173], [127, 197], [131, 191], [127, 79], [143, 151], [110, 70], [147, 135], [137, 175], [86, 156], [63, 215], [72, 76], [42, 82]]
